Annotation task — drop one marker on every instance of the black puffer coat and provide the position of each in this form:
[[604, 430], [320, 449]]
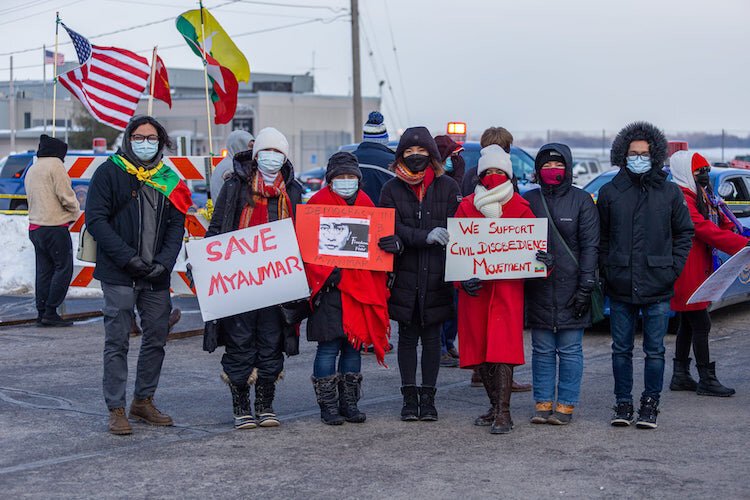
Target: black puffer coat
[[420, 269], [325, 322], [574, 213], [646, 231]]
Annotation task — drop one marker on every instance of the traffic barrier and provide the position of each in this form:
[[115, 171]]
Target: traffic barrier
[[13, 197]]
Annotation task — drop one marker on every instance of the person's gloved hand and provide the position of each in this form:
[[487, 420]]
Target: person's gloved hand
[[156, 271], [189, 274], [391, 244], [137, 268], [333, 279], [580, 302], [472, 286], [545, 258], [438, 235]]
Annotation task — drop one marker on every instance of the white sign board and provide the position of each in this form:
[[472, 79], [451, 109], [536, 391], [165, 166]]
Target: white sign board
[[247, 269], [493, 249], [714, 287]]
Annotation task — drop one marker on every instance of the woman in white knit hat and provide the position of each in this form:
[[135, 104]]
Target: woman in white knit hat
[[490, 313]]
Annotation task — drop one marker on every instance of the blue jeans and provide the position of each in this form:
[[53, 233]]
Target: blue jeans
[[350, 360], [623, 317], [450, 330], [548, 346]]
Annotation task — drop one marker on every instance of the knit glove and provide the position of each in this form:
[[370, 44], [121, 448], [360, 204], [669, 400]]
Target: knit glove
[[580, 302], [137, 268], [156, 271], [472, 286], [439, 236], [545, 258], [391, 244]]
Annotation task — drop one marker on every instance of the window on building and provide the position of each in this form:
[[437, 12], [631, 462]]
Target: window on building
[[27, 120], [272, 86]]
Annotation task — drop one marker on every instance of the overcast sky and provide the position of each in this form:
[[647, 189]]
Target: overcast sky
[[528, 65]]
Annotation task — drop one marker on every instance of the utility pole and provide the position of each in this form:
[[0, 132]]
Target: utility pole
[[723, 134], [12, 106], [356, 77]]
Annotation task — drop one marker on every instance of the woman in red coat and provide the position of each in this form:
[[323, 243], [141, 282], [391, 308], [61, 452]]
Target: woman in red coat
[[490, 313], [712, 231]]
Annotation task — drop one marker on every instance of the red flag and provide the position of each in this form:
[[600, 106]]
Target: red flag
[[224, 93], [160, 84]]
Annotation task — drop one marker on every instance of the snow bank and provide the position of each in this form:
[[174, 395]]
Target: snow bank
[[17, 264]]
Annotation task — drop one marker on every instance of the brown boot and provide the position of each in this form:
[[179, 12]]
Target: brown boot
[[502, 388], [145, 411], [135, 330], [174, 317], [487, 381], [521, 387], [118, 422], [476, 379]]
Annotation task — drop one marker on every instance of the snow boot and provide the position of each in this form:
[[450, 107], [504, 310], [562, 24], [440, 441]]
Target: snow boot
[[681, 378], [326, 392], [243, 416], [265, 390], [709, 385], [427, 410], [503, 387], [350, 392], [410, 409]]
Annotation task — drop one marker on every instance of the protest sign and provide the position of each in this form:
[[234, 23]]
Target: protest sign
[[345, 236], [492, 249], [718, 283], [247, 269]]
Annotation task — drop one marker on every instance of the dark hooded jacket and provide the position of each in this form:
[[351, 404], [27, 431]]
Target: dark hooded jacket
[[646, 229], [574, 213], [114, 208], [374, 159]]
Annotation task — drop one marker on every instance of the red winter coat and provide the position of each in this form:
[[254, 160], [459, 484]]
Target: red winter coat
[[490, 326], [699, 265]]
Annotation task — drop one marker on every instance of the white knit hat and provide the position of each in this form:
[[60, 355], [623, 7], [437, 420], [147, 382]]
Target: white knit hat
[[270, 138], [493, 156]]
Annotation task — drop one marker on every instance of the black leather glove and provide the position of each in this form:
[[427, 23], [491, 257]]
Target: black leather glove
[[156, 271], [333, 279], [189, 274], [580, 302], [545, 258], [137, 268], [472, 286], [391, 244]]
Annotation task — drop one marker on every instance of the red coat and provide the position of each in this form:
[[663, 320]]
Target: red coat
[[699, 265], [490, 326]]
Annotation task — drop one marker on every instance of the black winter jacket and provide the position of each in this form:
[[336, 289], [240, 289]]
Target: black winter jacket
[[420, 269], [574, 213], [373, 179], [113, 217], [325, 322], [646, 235]]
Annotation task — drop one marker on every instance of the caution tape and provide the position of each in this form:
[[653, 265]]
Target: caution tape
[[13, 196]]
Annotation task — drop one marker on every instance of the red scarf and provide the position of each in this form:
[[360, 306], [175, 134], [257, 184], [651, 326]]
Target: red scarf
[[418, 182], [257, 213], [364, 295]]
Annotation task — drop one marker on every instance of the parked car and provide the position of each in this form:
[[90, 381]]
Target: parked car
[[733, 185], [585, 169]]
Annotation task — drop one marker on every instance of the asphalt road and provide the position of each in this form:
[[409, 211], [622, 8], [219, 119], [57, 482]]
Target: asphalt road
[[54, 442]]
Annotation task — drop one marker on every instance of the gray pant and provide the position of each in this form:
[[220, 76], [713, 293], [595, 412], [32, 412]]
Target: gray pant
[[154, 307]]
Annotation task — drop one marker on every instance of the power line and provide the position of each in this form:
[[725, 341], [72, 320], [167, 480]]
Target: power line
[[40, 12], [300, 6], [398, 64], [23, 6]]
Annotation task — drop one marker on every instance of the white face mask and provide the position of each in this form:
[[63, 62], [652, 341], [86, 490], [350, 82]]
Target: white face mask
[[270, 161], [345, 187]]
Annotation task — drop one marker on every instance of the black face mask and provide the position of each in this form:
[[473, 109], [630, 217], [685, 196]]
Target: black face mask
[[702, 179], [416, 162]]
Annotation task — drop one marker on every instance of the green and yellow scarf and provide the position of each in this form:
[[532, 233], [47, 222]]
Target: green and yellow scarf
[[162, 178]]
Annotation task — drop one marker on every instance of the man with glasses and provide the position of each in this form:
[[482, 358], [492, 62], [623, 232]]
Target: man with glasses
[[136, 213], [646, 235]]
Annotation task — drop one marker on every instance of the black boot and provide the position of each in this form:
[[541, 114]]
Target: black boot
[[265, 390], [243, 416], [487, 381], [410, 410], [502, 388], [709, 385], [681, 378], [427, 410], [326, 392], [54, 319], [350, 391]]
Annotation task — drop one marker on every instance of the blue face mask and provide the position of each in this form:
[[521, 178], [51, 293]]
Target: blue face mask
[[639, 165], [144, 151], [345, 187], [449, 164], [270, 162]]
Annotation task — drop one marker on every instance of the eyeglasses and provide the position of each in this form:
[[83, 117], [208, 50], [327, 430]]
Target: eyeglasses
[[703, 170], [137, 138], [642, 156]]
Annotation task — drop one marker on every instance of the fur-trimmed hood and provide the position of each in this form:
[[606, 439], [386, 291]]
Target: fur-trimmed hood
[[639, 131]]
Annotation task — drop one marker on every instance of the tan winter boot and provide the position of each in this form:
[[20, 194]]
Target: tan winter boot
[[118, 422], [145, 411]]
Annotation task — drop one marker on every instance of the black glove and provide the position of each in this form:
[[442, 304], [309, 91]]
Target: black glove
[[472, 286], [156, 271], [189, 274], [333, 279], [545, 258], [580, 302], [137, 268], [391, 244]]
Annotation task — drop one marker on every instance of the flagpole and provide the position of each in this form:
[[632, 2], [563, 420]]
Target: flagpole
[[54, 78], [205, 78], [12, 106], [151, 83], [44, 86]]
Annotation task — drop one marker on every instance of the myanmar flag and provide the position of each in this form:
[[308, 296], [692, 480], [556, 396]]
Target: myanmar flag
[[217, 42], [161, 178]]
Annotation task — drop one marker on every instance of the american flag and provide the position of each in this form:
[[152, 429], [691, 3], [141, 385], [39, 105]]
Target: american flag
[[49, 58], [109, 82]]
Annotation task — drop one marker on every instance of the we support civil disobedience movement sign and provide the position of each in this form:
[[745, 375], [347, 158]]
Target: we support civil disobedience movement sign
[[492, 249], [247, 269]]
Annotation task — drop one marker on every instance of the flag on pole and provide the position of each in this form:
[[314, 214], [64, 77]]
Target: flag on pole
[[161, 83], [109, 82], [217, 42], [49, 58]]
